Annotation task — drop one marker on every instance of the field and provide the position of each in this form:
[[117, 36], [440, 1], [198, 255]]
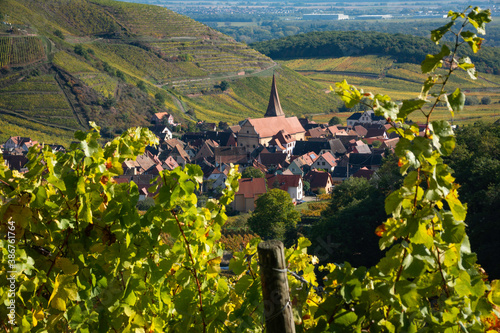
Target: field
[[400, 81], [365, 65]]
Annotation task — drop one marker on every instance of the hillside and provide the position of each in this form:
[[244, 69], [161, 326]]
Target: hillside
[[66, 62]]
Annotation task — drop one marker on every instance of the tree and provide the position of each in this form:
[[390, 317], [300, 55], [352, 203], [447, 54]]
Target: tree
[[355, 210], [81, 51], [476, 162], [274, 215], [224, 85], [223, 125], [58, 33], [306, 186], [252, 172], [334, 121], [141, 85], [120, 74], [160, 98], [471, 100], [486, 100], [376, 144]]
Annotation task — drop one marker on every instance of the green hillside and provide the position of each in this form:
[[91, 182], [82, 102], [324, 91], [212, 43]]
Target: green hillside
[[66, 62]]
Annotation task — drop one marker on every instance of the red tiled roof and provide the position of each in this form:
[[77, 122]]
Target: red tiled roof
[[318, 178], [171, 163], [250, 187], [364, 173], [267, 127], [160, 115], [316, 132], [285, 181], [329, 158]]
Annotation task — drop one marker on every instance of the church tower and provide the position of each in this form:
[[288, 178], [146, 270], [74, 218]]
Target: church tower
[[274, 106]]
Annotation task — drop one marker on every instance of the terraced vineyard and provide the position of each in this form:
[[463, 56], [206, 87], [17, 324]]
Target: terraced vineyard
[[155, 21], [21, 51], [100, 82], [39, 99]]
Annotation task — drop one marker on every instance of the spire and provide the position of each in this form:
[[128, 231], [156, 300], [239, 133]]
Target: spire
[[274, 106]]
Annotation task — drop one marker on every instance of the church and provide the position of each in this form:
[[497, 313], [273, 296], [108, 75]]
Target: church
[[260, 131]]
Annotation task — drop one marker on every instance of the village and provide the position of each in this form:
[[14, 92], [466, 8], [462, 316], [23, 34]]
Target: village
[[293, 154]]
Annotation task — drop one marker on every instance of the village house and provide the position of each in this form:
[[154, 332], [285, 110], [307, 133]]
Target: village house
[[367, 117], [169, 164], [325, 161], [300, 165], [163, 118], [320, 146], [274, 161], [15, 142], [283, 142], [320, 181], [216, 179], [292, 184], [231, 154], [249, 191]]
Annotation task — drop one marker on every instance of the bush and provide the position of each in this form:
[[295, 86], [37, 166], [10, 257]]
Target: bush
[[334, 121], [486, 100], [141, 85], [471, 100], [58, 33]]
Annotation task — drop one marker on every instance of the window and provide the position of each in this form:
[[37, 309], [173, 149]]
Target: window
[[323, 163]]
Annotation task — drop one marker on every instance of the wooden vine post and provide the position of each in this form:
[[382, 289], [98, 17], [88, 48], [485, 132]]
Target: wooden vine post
[[273, 273]]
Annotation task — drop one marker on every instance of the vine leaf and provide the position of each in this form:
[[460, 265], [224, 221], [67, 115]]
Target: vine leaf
[[64, 289], [437, 34], [478, 18], [472, 39], [456, 101], [409, 106], [434, 61]]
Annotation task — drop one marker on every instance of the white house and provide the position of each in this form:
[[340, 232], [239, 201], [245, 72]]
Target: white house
[[292, 184], [325, 161]]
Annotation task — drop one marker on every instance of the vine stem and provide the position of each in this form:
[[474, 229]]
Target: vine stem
[[457, 44], [194, 272], [54, 261]]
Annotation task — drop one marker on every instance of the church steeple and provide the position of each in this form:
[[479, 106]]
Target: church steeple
[[274, 106]]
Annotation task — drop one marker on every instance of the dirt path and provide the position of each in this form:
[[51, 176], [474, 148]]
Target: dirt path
[[75, 113]]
